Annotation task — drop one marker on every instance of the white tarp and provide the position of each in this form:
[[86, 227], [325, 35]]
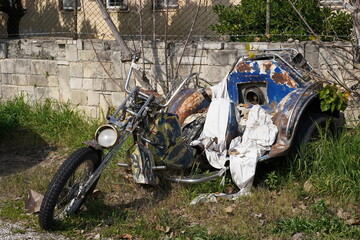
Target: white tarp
[[259, 135]]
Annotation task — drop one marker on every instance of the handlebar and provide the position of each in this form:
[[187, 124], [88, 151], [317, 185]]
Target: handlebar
[[135, 66]]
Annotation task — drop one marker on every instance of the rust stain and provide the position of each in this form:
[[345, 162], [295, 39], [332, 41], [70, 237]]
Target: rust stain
[[151, 92], [243, 67], [281, 78], [188, 106], [267, 66]]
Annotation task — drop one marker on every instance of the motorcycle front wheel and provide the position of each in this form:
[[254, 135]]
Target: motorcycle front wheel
[[61, 198]]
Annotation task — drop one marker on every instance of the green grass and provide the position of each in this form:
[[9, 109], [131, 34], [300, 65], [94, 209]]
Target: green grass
[[332, 165], [303, 196], [53, 121]]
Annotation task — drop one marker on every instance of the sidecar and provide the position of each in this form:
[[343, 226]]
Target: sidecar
[[282, 82]]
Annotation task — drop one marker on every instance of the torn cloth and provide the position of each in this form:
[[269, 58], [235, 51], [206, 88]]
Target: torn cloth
[[260, 133]]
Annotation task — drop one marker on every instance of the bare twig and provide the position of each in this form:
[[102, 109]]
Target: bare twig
[[187, 40]]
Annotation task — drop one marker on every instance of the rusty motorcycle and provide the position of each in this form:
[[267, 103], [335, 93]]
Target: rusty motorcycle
[[163, 129]]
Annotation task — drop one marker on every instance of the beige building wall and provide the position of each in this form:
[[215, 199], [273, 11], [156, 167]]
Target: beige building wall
[[48, 18]]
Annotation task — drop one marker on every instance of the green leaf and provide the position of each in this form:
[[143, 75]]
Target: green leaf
[[333, 107], [251, 54], [247, 47], [324, 106]]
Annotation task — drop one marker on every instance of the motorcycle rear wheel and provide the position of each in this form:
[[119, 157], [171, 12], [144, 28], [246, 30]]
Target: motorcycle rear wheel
[[63, 189]]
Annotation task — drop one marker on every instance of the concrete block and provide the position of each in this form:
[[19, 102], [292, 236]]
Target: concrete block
[[103, 56], [64, 84], [75, 83], [3, 50], [27, 91], [38, 80], [61, 42], [92, 112], [40, 93], [154, 55], [96, 70], [86, 55], [22, 66], [97, 44], [45, 67], [105, 102], [112, 85], [7, 79], [53, 92], [71, 53], [8, 92], [222, 57], [76, 69], [214, 74], [211, 45], [187, 60], [119, 70], [87, 84], [63, 63], [234, 46], [79, 97], [99, 85], [20, 79], [259, 46], [117, 98], [53, 81], [7, 65], [93, 98], [79, 44]]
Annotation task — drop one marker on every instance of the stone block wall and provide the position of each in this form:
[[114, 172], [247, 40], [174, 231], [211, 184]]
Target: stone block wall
[[90, 74]]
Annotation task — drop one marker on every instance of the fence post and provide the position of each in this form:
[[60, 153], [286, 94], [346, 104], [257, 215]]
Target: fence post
[[267, 30], [75, 34]]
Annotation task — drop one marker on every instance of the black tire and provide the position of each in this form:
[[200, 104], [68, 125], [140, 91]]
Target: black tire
[[309, 130], [66, 183]]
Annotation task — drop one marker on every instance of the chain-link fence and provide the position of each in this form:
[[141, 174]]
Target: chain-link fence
[[151, 19]]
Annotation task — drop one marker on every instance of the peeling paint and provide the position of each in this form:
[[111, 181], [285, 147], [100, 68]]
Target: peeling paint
[[283, 78], [243, 67]]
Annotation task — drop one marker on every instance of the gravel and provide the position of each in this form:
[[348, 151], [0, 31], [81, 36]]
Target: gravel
[[11, 231]]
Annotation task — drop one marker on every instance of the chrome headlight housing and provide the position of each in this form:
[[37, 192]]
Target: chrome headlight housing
[[106, 135]]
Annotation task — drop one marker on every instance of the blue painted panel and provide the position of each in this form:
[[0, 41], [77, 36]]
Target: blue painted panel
[[275, 90]]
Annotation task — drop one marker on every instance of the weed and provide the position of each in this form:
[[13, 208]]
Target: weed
[[271, 180], [320, 207]]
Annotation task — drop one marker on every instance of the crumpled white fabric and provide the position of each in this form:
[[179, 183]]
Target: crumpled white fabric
[[259, 135], [213, 135]]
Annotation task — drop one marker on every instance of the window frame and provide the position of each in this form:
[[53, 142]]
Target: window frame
[[65, 8], [160, 5], [123, 7]]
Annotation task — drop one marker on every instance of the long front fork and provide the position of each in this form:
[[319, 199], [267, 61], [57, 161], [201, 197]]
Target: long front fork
[[83, 189]]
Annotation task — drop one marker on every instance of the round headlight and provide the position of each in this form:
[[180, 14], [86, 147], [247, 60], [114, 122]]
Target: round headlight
[[106, 136]]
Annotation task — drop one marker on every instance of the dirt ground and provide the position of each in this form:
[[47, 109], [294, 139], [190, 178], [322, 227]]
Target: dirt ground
[[16, 156]]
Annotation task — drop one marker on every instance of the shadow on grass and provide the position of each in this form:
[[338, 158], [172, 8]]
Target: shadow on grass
[[20, 150]]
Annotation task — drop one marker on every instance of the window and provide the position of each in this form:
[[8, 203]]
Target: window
[[162, 4], [69, 4], [117, 4]]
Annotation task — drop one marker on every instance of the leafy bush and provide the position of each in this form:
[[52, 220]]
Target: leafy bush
[[247, 20]]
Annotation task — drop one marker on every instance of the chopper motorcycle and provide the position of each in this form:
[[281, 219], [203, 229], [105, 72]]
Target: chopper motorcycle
[[162, 130]]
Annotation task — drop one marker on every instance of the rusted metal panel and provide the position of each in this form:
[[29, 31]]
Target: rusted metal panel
[[186, 103]]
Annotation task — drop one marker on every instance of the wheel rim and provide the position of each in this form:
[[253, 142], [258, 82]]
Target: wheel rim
[[68, 199]]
